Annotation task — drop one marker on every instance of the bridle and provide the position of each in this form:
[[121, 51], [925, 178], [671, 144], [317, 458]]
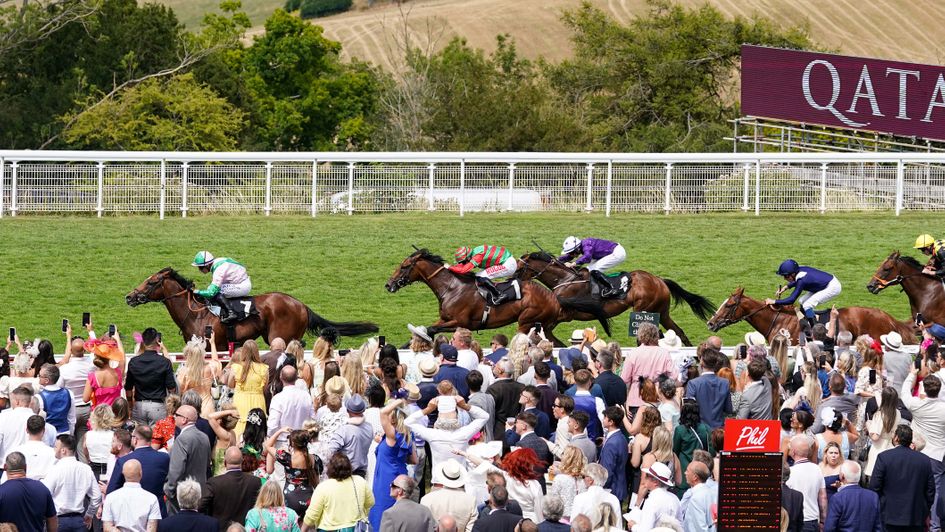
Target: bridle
[[730, 319], [883, 283], [153, 284], [539, 273], [403, 279]]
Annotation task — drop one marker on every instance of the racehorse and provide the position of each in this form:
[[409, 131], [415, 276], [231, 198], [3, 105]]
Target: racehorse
[[648, 293], [462, 306], [280, 315], [770, 319], [926, 293]]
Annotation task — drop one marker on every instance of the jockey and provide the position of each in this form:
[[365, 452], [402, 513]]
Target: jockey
[[821, 287], [495, 262], [230, 279], [936, 251], [599, 255]]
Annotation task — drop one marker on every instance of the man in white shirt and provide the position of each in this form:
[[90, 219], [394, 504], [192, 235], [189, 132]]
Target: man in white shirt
[[587, 503], [73, 374], [462, 341], [928, 421], [807, 478], [659, 503], [695, 511], [536, 354], [40, 457], [72, 483], [13, 420], [289, 408], [446, 434], [131, 508]]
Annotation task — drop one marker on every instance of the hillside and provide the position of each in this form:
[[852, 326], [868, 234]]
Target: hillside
[[892, 29]]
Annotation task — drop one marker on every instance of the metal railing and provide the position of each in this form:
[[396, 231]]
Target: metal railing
[[179, 184]]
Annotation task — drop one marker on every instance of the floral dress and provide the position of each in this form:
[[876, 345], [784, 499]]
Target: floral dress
[[297, 490], [276, 519], [163, 432]]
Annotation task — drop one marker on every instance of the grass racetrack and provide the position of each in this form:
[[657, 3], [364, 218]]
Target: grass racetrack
[[58, 267]]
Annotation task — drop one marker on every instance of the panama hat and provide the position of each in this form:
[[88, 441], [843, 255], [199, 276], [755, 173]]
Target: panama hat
[[336, 385], [419, 330], [450, 474], [428, 367], [893, 340], [660, 472], [754, 338], [577, 336], [413, 392], [670, 340]]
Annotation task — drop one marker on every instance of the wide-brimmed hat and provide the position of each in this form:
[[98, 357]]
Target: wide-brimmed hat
[[413, 392], [487, 450], [893, 340], [355, 404], [336, 385], [670, 340], [660, 472], [428, 367], [450, 474], [937, 331], [754, 338], [577, 336], [105, 348], [420, 331]]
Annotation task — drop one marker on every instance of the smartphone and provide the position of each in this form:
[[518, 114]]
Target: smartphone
[[918, 318], [159, 338], [872, 376], [381, 340], [208, 331], [86, 318], [823, 360], [802, 339], [112, 329], [918, 363], [538, 328], [12, 333], [65, 325], [743, 352]]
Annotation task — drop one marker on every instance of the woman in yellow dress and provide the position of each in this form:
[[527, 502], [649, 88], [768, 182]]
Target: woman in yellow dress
[[248, 377]]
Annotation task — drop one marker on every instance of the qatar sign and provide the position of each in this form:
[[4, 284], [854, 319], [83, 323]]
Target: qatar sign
[[903, 99]]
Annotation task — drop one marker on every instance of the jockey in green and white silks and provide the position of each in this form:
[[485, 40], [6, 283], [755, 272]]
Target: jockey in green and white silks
[[230, 279]]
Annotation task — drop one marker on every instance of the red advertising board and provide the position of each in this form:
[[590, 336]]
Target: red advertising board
[[752, 435], [893, 97]]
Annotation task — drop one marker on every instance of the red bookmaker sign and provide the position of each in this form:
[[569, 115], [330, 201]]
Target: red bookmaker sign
[[904, 99], [752, 435]]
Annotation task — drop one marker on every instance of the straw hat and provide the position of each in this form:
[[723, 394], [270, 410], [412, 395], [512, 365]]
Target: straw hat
[[336, 385], [660, 472], [428, 367], [754, 338], [451, 474], [670, 340]]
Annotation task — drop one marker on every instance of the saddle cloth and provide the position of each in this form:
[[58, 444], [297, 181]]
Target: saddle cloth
[[241, 307], [619, 285], [510, 290]]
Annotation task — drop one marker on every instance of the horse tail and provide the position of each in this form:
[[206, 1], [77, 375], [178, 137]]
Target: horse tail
[[701, 306], [588, 305], [346, 328]]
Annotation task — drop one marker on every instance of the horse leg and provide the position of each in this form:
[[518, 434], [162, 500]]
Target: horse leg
[[442, 326], [668, 324], [548, 329]]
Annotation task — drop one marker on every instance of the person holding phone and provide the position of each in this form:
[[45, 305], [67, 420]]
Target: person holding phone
[[230, 279]]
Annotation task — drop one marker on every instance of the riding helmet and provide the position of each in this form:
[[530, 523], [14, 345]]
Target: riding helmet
[[202, 258], [924, 241], [570, 244], [788, 267], [462, 253]]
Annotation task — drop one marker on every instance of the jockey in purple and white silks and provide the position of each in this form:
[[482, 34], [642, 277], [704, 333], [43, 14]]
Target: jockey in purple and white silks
[[599, 255], [819, 285], [230, 279]]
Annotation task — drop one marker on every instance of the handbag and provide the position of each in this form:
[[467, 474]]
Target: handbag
[[363, 525]]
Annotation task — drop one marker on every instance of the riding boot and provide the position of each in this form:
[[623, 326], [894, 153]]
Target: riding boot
[[497, 298], [602, 282], [225, 315]]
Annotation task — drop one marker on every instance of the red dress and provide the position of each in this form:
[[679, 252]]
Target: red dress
[[163, 431]]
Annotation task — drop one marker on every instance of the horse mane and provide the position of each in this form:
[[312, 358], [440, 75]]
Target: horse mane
[[911, 261], [540, 255], [181, 280], [425, 254]]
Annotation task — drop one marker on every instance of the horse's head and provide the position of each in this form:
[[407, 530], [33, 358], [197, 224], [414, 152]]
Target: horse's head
[[890, 272], [535, 264], [729, 312], [408, 272], [158, 287]]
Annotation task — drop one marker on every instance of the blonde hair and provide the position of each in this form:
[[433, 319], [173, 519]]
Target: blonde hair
[[321, 351], [102, 418], [295, 349], [367, 353], [779, 350], [812, 386], [194, 363], [661, 444], [398, 418], [518, 355], [353, 372], [250, 356], [172, 403], [420, 345], [572, 461], [270, 496]]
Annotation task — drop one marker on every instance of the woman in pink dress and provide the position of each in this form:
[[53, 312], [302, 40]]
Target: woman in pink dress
[[105, 383]]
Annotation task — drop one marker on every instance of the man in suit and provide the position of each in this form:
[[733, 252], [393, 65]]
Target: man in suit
[[154, 466], [406, 515], [903, 479], [497, 519], [852, 509], [231, 495], [615, 390], [711, 391], [188, 519], [506, 392], [529, 400], [756, 399], [525, 436], [613, 454], [189, 456], [497, 478], [792, 501]]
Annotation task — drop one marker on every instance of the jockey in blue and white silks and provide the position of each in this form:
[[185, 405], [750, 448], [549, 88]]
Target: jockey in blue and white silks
[[819, 286]]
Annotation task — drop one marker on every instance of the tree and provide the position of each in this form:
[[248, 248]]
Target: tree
[[172, 114]]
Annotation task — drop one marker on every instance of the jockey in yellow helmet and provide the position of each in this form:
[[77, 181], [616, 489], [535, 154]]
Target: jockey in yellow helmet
[[935, 249]]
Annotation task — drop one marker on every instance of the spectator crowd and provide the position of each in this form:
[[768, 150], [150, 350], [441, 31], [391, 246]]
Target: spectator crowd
[[445, 435]]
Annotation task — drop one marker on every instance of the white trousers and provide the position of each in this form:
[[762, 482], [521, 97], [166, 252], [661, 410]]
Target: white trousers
[[236, 290], [506, 269], [607, 262], [811, 300]]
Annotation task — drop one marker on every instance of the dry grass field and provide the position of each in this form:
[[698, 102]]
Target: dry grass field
[[909, 30]]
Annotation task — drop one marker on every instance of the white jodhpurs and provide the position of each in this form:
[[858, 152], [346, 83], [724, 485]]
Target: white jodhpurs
[[506, 269], [809, 301], [236, 290], [607, 262]]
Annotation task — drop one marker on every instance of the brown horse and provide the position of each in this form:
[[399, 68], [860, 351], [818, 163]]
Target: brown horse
[[769, 320], [280, 315], [462, 306], [926, 293], [648, 293]]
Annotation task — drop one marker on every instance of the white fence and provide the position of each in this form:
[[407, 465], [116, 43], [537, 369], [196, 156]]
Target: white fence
[[179, 183]]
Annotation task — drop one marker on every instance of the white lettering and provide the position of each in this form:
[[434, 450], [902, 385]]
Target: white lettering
[[753, 438], [870, 94], [903, 80], [939, 95], [835, 92]]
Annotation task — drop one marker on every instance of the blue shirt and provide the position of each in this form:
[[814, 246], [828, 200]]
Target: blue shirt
[[456, 375], [807, 279], [712, 394], [26, 503], [497, 355]]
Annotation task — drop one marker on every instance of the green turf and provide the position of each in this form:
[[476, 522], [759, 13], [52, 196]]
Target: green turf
[[56, 268]]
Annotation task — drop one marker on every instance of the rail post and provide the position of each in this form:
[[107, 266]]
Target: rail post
[[758, 187], [314, 186], [183, 188], [431, 168], [669, 184], [2, 179], [823, 188], [462, 187], [350, 188], [589, 205], [163, 191], [745, 192], [267, 208], [511, 184], [100, 187], [13, 171], [610, 182], [900, 179]]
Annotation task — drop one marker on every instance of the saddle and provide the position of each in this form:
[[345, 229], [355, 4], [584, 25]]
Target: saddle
[[505, 292], [610, 286], [239, 308]]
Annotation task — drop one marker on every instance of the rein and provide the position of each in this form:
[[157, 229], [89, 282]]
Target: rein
[[539, 273]]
